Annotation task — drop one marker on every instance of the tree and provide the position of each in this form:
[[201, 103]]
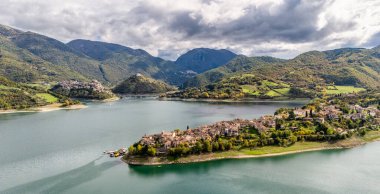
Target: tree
[[205, 95], [229, 146], [207, 146], [221, 146], [245, 143], [151, 151], [139, 149], [292, 116], [215, 146], [198, 147], [131, 150], [293, 139], [285, 142], [330, 131]]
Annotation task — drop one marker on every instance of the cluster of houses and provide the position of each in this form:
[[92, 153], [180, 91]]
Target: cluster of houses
[[73, 84], [334, 113], [165, 140]]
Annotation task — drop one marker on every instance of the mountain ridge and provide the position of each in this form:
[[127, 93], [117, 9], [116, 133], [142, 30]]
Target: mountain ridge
[[202, 59]]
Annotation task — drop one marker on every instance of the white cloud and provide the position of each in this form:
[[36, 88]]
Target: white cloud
[[168, 28]]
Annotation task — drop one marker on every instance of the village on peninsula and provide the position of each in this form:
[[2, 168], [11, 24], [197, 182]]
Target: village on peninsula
[[342, 118]]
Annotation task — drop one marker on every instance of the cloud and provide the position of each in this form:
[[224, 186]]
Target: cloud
[[167, 28]]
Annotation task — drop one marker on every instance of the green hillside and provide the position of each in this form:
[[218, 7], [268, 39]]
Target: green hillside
[[20, 65], [308, 74], [139, 84], [21, 96], [59, 54], [119, 62], [28, 56]]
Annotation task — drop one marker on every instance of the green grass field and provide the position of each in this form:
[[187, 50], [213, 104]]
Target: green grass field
[[47, 97], [283, 91], [6, 87], [46, 87], [277, 149], [273, 94], [269, 83], [249, 89], [343, 89]]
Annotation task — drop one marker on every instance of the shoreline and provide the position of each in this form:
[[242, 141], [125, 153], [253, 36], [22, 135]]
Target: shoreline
[[46, 108], [343, 144], [133, 163], [113, 99], [242, 100]]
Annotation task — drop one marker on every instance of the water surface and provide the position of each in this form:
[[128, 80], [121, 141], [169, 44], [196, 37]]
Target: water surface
[[60, 152]]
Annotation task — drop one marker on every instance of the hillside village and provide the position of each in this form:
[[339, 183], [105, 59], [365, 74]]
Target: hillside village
[[321, 121], [74, 84], [78, 89]]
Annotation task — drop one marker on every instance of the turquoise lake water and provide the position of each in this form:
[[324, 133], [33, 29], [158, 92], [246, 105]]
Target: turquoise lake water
[[61, 152]]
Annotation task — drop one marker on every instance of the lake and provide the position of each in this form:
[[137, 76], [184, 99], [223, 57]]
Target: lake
[[61, 152]]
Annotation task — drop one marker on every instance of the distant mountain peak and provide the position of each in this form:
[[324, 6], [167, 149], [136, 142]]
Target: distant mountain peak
[[8, 31], [377, 48], [202, 59]]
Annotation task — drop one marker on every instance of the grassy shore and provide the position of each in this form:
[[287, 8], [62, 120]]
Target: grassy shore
[[265, 151], [47, 108]]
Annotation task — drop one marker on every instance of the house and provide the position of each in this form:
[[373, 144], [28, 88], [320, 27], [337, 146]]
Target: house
[[300, 113], [307, 119], [320, 120], [231, 132], [358, 116], [333, 116], [377, 121], [260, 127]]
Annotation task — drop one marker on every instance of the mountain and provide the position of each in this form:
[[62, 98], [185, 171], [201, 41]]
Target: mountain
[[139, 84], [21, 65], [239, 65], [339, 70], [59, 54], [101, 50], [118, 62], [202, 59], [31, 57]]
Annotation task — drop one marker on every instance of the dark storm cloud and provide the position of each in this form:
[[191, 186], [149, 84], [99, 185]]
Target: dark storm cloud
[[168, 28], [293, 21], [374, 41]]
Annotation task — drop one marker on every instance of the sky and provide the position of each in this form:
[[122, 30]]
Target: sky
[[169, 28]]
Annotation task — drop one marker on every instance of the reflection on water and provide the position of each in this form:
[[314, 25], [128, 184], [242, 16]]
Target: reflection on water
[[66, 180], [204, 167]]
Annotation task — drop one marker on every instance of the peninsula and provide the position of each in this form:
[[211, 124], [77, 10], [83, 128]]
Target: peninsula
[[340, 121]]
